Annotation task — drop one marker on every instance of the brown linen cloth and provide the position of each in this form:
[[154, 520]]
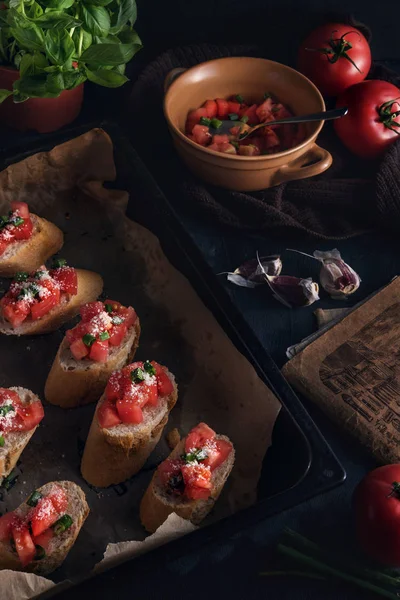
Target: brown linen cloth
[[352, 197]]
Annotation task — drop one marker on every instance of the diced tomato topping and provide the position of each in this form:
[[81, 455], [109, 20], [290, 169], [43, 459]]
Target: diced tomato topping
[[77, 332], [23, 231], [222, 108], [221, 139], [44, 515], [169, 468], [264, 111], [217, 453], [129, 315], [271, 140], [67, 279], [31, 415], [281, 112], [198, 437], [21, 208], [79, 349], [24, 544], [99, 351], [43, 540], [117, 334], [194, 117], [7, 522], [58, 497], [201, 135], [251, 113], [22, 417], [249, 150], [114, 386], [129, 411], [90, 310], [16, 313], [41, 308], [197, 480], [210, 107], [233, 107], [107, 415], [3, 244], [164, 383]]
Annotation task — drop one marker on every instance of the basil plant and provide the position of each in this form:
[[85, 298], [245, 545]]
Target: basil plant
[[57, 44]]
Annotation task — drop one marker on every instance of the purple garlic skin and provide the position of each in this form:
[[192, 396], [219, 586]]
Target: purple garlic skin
[[252, 273], [337, 277], [293, 291]]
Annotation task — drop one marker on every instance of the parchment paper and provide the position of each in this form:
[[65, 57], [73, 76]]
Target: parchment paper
[[216, 383]]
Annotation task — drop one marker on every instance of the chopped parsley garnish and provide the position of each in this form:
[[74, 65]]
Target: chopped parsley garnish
[[62, 524], [32, 289], [39, 274], [196, 455], [59, 262], [275, 109], [216, 123], [104, 335], [239, 99], [22, 276], [10, 480], [233, 116], [137, 375], [117, 320], [205, 121], [4, 410], [34, 498], [88, 339], [148, 367], [244, 119], [267, 95], [108, 308], [2, 441], [40, 552], [17, 221]]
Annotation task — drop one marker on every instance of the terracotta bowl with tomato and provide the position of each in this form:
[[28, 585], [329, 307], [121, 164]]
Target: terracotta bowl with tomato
[[251, 80]]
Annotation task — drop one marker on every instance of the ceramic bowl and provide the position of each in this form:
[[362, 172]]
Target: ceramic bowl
[[251, 77]]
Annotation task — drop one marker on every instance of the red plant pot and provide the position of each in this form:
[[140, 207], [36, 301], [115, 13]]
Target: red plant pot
[[40, 114]]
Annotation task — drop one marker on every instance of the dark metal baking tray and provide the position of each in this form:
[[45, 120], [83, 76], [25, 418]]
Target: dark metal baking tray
[[292, 472]]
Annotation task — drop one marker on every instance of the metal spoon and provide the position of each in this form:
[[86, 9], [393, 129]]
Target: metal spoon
[[326, 115]]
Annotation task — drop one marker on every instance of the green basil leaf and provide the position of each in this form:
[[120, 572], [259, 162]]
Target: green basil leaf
[[4, 94], [98, 2], [120, 69], [58, 4], [110, 39], [59, 46], [26, 33], [127, 13], [73, 78], [15, 3], [129, 36], [34, 11], [112, 55], [19, 98], [57, 20], [96, 20], [87, 40], [32, 64], [106, 78], [34, 86], [55, 83]]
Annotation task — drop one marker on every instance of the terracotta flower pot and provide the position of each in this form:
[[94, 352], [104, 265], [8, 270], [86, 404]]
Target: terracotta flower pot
[[40, 114]]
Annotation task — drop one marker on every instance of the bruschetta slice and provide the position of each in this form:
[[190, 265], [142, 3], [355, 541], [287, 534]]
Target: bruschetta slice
[[40, 302], [37, 536], [26, 240], [105, 340], [20, 413], [128, 422], [190, 480]]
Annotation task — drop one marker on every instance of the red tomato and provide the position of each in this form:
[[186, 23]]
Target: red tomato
[[221, 139], [199, 435], [201, 135], [44, 515], [271, 140], [99, 351], [31, 415], [251, 113], [79, 349], [59, 499], [217, 453], [44, 539], [21, 208], [129, 315], [197, 480], [194, 117], [129, 411], [40, 309], [117, 334], [77, 332], [90, 310], [164, 384], [3, 244], [67, 278], [7, 522], [169, 468], [114, 386], [24, 231], [210, 107], [371, 124], [107, 415], [376, 503], [24, 544], [335, 56], [264, 111], [222, 107], [16, 313], [233, 107]]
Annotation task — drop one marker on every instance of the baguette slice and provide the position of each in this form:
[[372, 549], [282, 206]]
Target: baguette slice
[[28, 255], [113, 455], [61, 544], [90, 286], [15, 441], [157, 505], [74, 382]]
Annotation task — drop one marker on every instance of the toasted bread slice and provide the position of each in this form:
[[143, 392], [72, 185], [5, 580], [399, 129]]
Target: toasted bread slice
[[15, 441], [74, 382], [28, 255], [59, 545], [90, 286], [156, 504], [113, 455]]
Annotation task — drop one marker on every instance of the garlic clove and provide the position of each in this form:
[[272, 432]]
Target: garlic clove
[[337, 277], [293, 291], [252, 272]]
